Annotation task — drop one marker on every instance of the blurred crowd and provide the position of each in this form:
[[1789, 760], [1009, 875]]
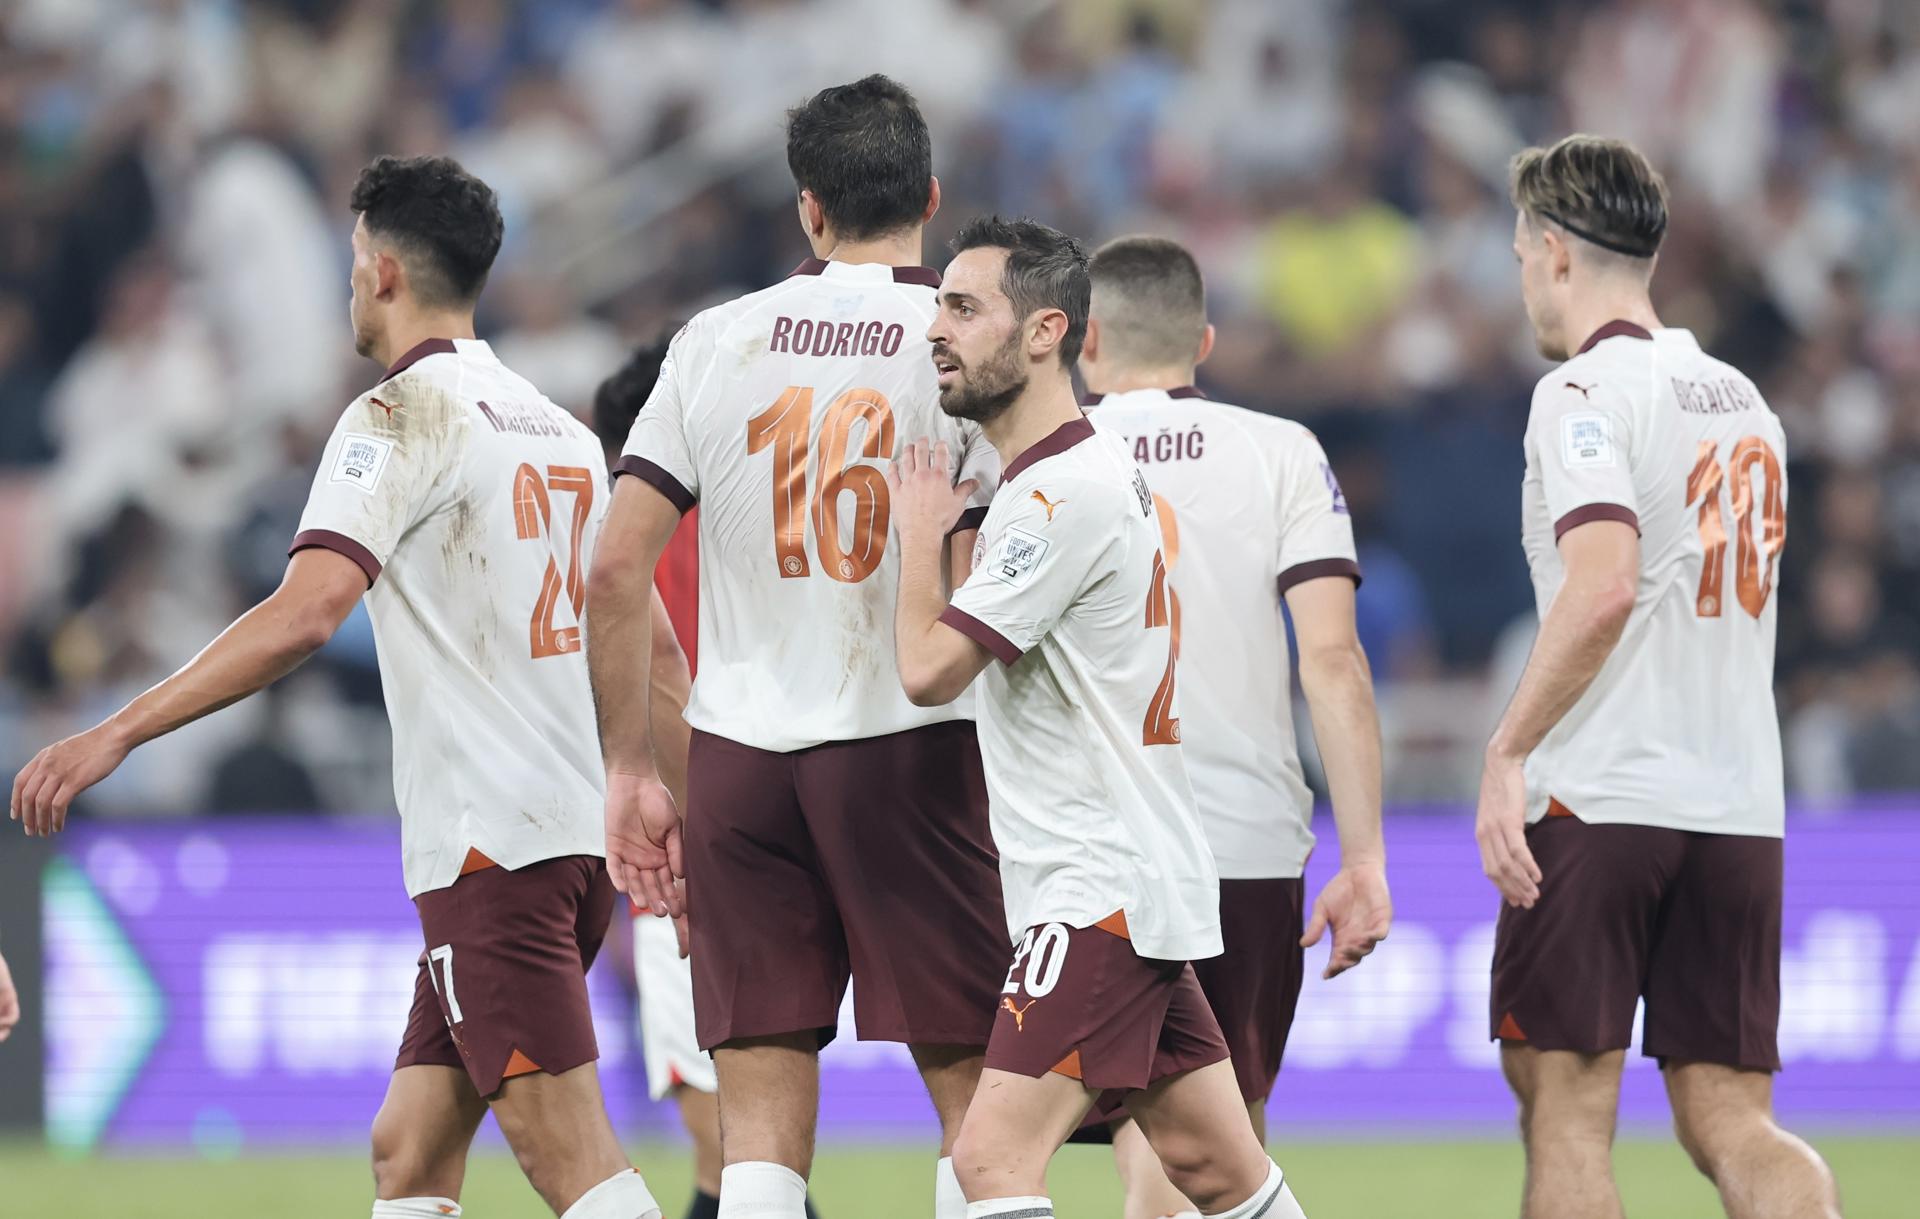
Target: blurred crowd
[[173, 267]]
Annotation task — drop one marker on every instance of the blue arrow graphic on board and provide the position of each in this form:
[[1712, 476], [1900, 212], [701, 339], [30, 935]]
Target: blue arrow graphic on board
[[105, 1013]]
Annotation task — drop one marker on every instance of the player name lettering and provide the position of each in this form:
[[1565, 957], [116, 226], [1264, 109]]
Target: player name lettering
[[1170, 445], [807, 337], [1718, 397], [524, 420]]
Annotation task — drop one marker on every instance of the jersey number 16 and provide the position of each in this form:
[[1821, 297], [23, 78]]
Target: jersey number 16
[[784, 427]]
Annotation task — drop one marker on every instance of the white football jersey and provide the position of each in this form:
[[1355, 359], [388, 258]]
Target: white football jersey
[[472, 503], [1079, 731], [777, 413], [1248, 508], [1679, 729]]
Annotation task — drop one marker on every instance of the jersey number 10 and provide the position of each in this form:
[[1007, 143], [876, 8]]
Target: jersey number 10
[[784, 427], [1753, 574]]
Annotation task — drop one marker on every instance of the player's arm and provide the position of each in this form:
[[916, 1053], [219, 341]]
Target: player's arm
[[1339, 687], [318, 591], [672, 684], [936, 662], [9, 1001], [643, 823], [1577, 634]]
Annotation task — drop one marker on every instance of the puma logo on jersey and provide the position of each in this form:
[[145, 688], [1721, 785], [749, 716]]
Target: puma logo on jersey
[[1019, 1013], [1583, 389], [1048, 504], [385, 407]]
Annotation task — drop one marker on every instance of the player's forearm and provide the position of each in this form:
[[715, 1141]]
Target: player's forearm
[[672, 683], [263, 645], [917, 617], [619, 640], [1578, 633], [1346, 725]]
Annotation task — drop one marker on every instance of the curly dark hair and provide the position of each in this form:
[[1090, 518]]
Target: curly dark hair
[[1046, 269], [444, 221], [864, 151], [617, 402]]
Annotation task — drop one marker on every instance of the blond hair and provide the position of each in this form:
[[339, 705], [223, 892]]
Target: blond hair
[[1600, 190]]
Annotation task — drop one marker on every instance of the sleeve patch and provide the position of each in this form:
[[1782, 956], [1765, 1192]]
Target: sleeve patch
[[361, 462], [1015, 559], [1586, 440]]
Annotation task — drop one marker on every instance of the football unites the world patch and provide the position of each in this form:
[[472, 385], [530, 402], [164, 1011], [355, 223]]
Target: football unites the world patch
[[1586, 440], [362, 460], [1017, 555]]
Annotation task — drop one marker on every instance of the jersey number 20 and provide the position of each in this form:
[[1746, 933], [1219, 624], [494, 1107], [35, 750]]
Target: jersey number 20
[[1753, 560], [784, 427]]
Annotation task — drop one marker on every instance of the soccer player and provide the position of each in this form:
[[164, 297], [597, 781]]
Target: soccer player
[[1251, 515], [834, 829], [1110, 887], [676, 1065], [1631, 807], [464, 506]]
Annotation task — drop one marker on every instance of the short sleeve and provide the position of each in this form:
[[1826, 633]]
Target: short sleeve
[[383, 468], [1316, 530], [1040, 553], [981, 462], [657, 451], [1580, 439]]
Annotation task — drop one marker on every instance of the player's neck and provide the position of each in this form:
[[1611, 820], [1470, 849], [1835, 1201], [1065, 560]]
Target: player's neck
[[1608, 303], [900, 249], [1038, 414], [1126, 380], [407, 333]]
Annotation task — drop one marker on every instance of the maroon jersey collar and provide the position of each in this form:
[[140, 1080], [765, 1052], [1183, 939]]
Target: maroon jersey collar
[[417, 353], [925, 276], [1178, 391], [1613, 330], [1059, 440]]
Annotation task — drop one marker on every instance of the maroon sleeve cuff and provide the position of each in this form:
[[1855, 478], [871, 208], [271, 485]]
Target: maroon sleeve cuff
[[1300, 573], [1595, 512], [663, 482], [972, 518], [339, 543], [982, 634]]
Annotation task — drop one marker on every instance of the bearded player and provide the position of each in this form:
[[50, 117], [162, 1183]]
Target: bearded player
[[1110, 887], [1251, 517], [1631, 807], [464, 506], [834, 829]]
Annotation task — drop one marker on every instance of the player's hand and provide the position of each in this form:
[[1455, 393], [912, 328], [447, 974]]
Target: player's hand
[[9, 1001], [1501, 829], [1356, 904], [643, 841], [925, 502], [45, 787]]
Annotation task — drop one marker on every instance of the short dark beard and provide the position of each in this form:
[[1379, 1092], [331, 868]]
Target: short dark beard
[[985, 395]]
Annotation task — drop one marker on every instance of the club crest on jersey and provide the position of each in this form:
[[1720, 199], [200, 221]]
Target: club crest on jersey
[[1586, 440], [362, 460], [1018, 554]]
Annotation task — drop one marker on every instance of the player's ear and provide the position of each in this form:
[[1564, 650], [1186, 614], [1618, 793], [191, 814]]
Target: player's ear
[[1206, 346], [1090, 346], [933, 200], [1559, 255], [813, 217], [387, 275], [1045, 330]]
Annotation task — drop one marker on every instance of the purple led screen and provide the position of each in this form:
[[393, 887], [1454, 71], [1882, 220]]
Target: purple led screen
[[241, 983]]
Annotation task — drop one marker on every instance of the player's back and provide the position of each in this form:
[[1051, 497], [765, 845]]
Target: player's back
[[1247, 506], [1679, 728], [777, 412], [476, 503]]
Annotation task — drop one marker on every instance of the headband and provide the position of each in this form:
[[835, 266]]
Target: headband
[[1602, 242]]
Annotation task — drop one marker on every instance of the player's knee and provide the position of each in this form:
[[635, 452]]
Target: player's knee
[[404, 1164]]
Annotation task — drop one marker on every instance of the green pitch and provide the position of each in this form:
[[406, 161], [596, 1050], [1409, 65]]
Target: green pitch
[[1350, 1180]]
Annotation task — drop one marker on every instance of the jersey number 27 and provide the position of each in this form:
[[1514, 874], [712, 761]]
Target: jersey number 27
[[784, 427]]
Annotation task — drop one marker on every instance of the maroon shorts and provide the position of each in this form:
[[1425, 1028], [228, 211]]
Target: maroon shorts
[[1079, 1001], [1253, 986], [1688, 921], [868, 858], [502, 987]]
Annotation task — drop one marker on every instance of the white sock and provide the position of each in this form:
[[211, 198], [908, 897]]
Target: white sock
[[1186, 1215], [760, 1189], [624, 1195], [415, 1208], [1011, 1208], [948, 1201], [1273, 1200]]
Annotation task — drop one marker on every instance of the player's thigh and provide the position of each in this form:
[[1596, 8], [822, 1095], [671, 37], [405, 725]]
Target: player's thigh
[[1013, 1127], [1563, 1093], [1196, 1119], [768, 949], [506, 955], [1713, 975], [422, 1132], [1253, 986], [558, 1129], [1567, 973], [900, 822], [769, 1098], [1711, 1100]]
